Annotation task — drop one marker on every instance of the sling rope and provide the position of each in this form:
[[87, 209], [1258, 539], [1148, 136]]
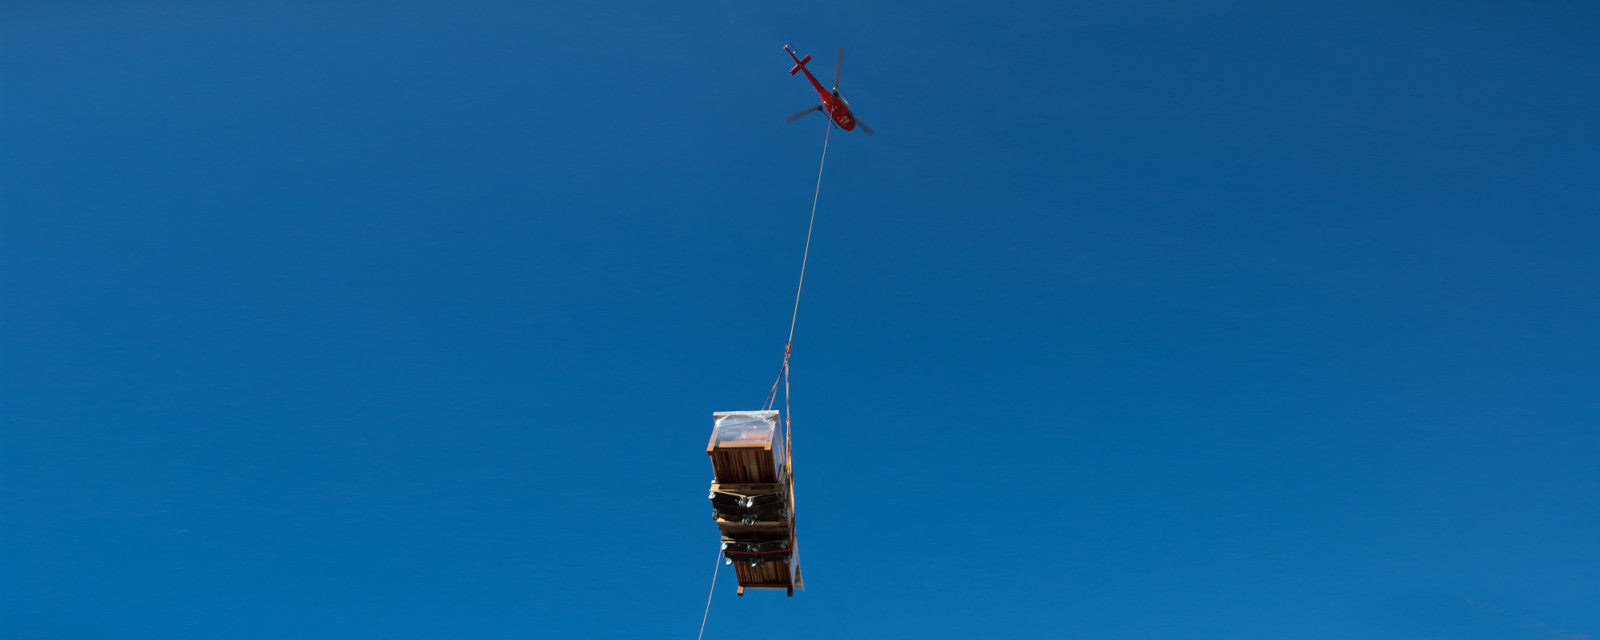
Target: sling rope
[[707, 614], [772, 394], [788, 417]]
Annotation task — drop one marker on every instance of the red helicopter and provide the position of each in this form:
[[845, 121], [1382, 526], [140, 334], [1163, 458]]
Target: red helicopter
[[837, 107]]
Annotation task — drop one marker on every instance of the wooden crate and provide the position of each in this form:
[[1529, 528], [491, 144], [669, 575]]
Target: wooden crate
[[747, 448], [774, 572], [772, 575]]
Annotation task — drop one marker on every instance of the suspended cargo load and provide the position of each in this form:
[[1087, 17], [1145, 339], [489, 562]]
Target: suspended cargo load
[[752, 499]]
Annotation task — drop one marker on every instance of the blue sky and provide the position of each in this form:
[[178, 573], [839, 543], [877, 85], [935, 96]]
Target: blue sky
[[1136, 319]]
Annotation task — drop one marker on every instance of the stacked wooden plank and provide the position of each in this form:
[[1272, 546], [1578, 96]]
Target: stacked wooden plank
[[752, 497]]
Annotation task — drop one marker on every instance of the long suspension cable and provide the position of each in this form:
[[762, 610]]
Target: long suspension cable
[[783, 374], [713, 592], [809, 225]]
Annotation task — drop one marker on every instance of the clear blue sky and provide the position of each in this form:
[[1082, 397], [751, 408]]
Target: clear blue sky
[[1146, 319]]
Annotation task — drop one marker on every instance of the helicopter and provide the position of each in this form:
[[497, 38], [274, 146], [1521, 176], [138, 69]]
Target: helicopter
[[834, 104]]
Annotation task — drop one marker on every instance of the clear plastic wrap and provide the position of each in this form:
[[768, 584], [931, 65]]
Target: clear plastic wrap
[[745, 429]]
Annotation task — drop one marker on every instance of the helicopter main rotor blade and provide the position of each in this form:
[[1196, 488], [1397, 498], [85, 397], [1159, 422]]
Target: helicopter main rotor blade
[[838, 65], [802, 114], [863, 126]]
